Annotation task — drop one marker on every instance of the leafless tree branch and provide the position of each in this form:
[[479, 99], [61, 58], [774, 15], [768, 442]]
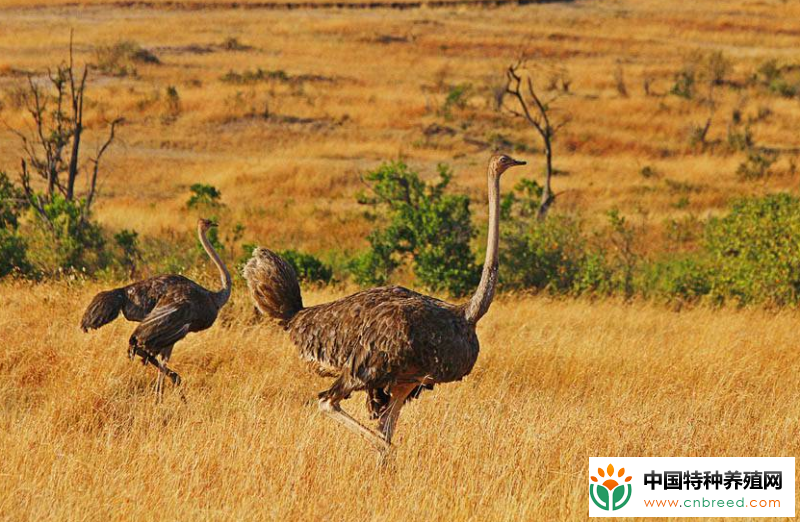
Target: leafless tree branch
[[536, 112]]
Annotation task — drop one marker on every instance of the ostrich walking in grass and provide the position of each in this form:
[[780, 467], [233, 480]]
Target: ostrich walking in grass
[[389, 341], [168, 307]]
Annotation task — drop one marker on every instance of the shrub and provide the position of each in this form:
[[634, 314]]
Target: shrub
[[540, 255], [755, 251], [684, 278], [740, 138], [595, 274], [204, 196], [64, 239], [309, 268], [13, 254], [128, 243], [626, 258], [173, 105], [456, 99], [780, 80], [12, 202], [248, 76], [698, 69], [757, 165], [545, 255], [684, 86], [648, 172], [121, 58], [420, 222], [233, 44]]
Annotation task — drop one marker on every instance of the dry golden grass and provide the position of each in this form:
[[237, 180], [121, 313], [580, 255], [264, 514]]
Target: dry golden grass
[[556, 382], [292, 181]]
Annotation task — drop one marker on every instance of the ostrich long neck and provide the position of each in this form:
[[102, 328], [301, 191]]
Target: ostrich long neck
[[225, 276], [479, 304]]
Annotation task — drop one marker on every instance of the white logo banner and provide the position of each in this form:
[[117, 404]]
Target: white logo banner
[[691, 487]]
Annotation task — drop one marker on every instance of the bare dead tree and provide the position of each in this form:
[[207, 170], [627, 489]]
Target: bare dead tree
[[536, 111], [700, 133], [52, 147]]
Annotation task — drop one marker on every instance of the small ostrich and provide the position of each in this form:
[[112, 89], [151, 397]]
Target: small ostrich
[[390, 341], [168, 307]]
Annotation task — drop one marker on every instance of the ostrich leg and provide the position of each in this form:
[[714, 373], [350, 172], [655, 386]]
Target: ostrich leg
[[329, 405], [398, 393], [164, 371]]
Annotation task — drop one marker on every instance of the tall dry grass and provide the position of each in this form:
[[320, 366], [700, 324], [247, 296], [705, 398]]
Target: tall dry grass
[[556, 382]]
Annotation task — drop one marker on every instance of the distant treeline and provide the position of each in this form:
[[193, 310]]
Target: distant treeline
[[750, 255]]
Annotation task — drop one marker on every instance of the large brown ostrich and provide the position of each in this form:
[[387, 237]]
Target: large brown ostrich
[[389, 341], [168, 308]]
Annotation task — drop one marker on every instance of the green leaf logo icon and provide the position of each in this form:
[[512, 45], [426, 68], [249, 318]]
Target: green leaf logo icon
[[610, 495]]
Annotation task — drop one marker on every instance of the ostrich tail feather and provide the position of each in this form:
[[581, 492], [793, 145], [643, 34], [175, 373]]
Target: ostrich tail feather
[[273, 285]]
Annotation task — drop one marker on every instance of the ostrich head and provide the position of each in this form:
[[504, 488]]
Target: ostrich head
[[204, 224], [501, 162]]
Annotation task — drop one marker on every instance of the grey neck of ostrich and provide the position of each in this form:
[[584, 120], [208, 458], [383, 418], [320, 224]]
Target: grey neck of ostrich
[[220, 297], [480, 302]]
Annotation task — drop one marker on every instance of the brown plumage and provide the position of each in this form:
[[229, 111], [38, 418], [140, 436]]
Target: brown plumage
[[168, 308], [390, 342]]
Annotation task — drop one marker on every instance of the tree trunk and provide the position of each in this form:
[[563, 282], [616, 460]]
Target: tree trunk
[[547, 193]]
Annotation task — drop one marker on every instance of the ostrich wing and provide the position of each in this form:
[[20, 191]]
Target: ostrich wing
[[167, 324]]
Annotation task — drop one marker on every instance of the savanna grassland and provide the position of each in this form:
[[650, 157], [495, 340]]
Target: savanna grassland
[[339, 92], [557, 382]]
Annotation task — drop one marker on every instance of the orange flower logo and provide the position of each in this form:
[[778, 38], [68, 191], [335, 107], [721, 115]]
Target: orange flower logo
[[608, 495]]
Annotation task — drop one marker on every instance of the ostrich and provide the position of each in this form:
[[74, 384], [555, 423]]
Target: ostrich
[[390, 341], [168, 307]]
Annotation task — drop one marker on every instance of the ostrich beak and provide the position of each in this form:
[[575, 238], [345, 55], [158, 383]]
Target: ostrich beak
[[519, 162], [213, 224]]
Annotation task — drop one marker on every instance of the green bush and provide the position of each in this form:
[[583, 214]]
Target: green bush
[[204, 196], [624, 259], [128, 243], [64, 239], [13, 249], [546, 255], [13, 253], [755, 251], [12, 202], [595, 274], [309, 268], [553, 255], [683, 278], [420, 222]]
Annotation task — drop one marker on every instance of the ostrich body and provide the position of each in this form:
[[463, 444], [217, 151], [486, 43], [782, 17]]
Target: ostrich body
[[168, 308], [390, 341]]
